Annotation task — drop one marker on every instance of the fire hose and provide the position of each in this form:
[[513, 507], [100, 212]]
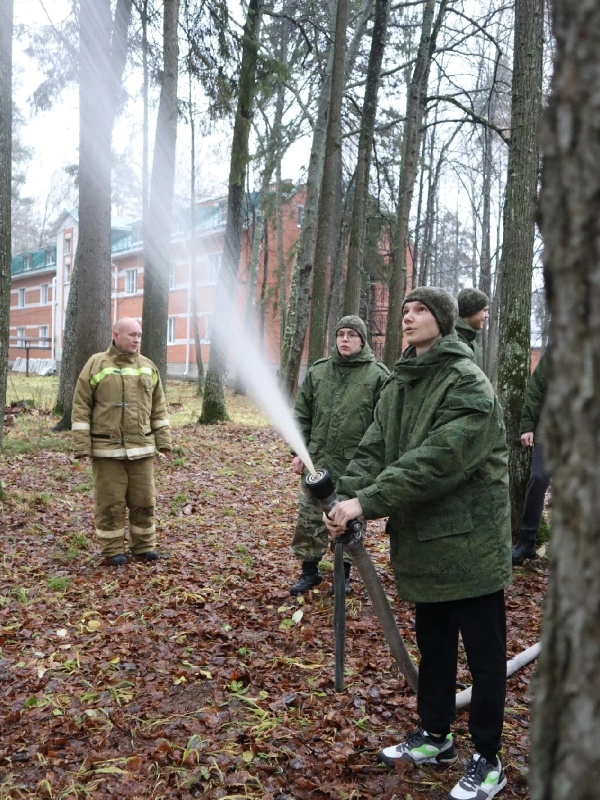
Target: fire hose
[[321, 487]]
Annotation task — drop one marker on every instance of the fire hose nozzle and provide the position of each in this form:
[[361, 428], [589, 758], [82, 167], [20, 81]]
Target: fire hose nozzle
[[322, 489]]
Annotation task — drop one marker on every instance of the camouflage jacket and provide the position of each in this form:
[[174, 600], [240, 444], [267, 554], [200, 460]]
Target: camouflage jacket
[[119, 408], [435, 462], [534, 397], [468, 335], [335, 404]]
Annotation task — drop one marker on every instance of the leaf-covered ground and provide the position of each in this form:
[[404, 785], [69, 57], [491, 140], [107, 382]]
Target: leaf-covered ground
[[195, 676]]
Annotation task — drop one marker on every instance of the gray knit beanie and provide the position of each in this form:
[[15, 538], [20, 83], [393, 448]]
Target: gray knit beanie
[[441, 304], [354, 322], [470, 301]]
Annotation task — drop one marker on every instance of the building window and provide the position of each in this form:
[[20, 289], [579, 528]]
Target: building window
[[67, 273], [21, 298], [131, 281], [213, 265], [27, 261], [207, 329], [299, 215], [43, 336], [171, 330], [67, 250], [44, 294], [20, 337], [172, 275], [50, 258]]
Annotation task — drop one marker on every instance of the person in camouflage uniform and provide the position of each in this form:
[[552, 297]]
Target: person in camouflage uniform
[[334, 408], [119, 420], [473, 313], [435, 463], [539, 479]]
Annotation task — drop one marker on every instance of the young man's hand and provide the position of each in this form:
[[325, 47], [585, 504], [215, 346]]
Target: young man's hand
[[341, 515], [527, 439], [297, 465]]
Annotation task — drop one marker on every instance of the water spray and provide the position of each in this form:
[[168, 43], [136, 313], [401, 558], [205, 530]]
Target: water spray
[[322, 489]]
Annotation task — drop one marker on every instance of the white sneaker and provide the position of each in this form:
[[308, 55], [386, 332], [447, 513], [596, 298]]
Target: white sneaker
[[481, 780]]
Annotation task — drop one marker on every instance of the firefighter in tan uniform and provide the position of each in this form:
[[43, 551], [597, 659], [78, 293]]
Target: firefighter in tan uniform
[[119, 419]]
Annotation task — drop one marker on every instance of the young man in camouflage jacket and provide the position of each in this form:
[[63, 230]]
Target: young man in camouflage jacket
[[435, 463], [334, 408]]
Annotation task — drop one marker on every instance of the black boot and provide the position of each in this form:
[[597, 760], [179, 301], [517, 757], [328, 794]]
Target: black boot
[[524, 548], [309, 577]]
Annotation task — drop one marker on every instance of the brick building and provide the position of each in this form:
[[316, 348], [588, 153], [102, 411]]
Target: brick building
[[40, 282]]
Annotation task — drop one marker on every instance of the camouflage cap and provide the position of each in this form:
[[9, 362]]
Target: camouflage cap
[[470, 301], [355, 323], [441, 304]]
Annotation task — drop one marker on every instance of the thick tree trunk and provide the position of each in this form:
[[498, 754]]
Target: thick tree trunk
[[157, 225], [517, 248], [6, 31], [565, 732], [415, 109], [213, 406], [363, 165], [88, 322]]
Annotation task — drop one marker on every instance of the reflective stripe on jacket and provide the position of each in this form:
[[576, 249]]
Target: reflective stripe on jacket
[[119, 408]]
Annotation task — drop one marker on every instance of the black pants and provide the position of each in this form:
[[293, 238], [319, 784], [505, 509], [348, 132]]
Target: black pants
[[535, 494], [481, 622]]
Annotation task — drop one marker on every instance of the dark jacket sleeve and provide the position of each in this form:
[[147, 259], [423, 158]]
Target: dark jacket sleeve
[[534, 397]]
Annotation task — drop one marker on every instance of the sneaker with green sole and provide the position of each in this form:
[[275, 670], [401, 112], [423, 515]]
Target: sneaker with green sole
[[482, 780], [420, 748]]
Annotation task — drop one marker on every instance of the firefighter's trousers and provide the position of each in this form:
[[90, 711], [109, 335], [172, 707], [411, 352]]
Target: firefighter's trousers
[[121, 485]]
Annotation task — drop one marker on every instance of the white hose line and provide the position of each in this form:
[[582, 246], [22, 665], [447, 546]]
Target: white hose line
[[464, 698]]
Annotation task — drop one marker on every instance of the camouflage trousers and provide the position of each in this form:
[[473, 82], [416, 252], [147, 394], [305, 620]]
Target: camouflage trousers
[[311, 537], [121, 485]]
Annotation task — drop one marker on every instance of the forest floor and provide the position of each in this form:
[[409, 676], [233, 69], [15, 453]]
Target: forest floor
[[199, 675]]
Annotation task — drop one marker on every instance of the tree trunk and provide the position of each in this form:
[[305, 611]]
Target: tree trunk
[[213, 406], [363, 165], [88, 322], [333, 144], [565, 735], [157, 225], [193, 289], [299, 304], [415, 109], [6, 32], [518, 236]]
